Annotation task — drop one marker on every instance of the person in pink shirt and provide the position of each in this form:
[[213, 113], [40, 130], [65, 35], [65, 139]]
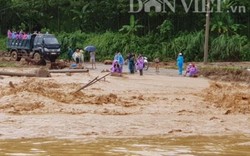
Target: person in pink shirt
[[9, 34], [25, 36]]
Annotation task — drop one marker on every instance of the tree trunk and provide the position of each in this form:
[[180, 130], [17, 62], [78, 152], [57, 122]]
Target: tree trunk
[[207, 32], [38, 73], [69, 71]]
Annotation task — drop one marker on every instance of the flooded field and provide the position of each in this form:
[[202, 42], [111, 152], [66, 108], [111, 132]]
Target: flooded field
[[151, 115], [149, 146]]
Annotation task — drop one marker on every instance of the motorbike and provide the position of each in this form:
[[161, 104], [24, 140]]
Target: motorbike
[[146, 63]]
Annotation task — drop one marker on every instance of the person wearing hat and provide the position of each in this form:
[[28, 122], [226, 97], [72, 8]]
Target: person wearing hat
[[192, 70], [120, 60], [116, 67], [180, 62]]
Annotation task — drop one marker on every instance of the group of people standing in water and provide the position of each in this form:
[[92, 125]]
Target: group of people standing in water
[[134, 63], [191, 69], [78, 57], [138, 63]]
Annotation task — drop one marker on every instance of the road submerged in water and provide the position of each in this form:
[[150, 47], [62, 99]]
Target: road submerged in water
[[128, 107]]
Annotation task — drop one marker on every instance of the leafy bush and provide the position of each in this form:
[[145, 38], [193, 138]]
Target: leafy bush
[[73, 40], [230, 48], [3, 44], [245, 52], [108, 43], [222, 48], [190, 44]]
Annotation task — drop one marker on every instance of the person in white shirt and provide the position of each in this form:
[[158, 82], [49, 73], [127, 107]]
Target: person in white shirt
[[77, 56]]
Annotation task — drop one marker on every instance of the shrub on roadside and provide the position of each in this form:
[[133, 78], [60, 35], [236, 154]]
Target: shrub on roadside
[[230, 48], [3, 44]]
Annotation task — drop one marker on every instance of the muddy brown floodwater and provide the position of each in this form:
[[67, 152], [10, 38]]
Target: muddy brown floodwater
[[147, 146], [142, 110]]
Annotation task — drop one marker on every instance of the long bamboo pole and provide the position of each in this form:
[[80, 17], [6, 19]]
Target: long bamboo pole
[[92, 82], [87, 84]]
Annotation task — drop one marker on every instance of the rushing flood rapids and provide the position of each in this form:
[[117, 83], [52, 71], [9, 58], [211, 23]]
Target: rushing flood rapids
[[149, 146]]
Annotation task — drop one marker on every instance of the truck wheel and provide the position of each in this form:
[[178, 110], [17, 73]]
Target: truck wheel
[[37, 57], [14, 55]]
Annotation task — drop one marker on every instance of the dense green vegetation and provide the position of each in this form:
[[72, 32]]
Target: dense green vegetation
[[110, 27]]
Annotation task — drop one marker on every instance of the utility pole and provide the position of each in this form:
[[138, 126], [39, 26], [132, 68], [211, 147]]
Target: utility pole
[[207, 32]]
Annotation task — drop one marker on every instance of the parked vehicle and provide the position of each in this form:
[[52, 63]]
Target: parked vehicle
[[146, 63], [40, 47]]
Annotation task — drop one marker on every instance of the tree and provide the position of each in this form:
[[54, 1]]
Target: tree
[[132, 28], [80, 16], [223, 23]]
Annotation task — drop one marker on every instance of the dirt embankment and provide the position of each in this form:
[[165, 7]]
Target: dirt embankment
[[234, 98], [35, 96], [226, 74]]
